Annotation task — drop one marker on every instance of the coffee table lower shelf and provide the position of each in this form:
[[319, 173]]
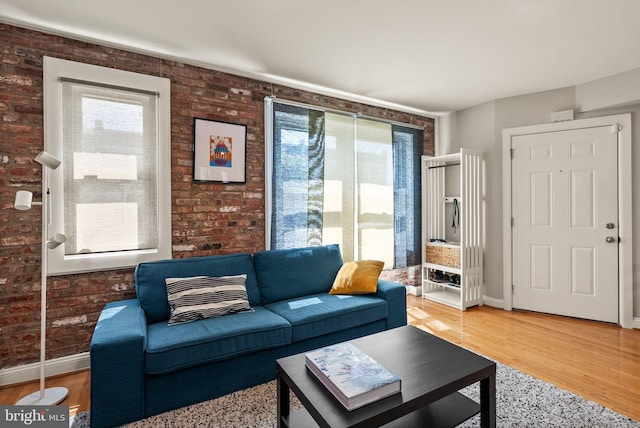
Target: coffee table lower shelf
[[449, 411]]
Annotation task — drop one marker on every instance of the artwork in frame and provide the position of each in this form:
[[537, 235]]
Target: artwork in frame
[[219, 151]]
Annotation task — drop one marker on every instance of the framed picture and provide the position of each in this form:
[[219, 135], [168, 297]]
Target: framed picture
[[219, 151]]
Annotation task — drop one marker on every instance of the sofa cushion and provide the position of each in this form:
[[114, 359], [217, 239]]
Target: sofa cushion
[[287, 274], [171, 348], [152, 291], [201, 297], [357, 277], [323, 313]]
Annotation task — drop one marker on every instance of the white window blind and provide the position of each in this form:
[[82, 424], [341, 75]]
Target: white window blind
[[110, 156]]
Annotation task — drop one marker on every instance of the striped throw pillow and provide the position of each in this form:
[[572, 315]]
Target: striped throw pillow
[[201, 297]]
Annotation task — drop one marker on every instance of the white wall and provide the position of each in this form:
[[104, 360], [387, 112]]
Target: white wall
[[480, 127]]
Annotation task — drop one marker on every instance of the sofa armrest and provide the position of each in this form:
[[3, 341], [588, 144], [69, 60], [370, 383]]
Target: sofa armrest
[[117, 364], [396, 297]]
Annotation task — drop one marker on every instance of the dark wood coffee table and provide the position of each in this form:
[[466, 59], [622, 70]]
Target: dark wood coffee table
[[432, 372]]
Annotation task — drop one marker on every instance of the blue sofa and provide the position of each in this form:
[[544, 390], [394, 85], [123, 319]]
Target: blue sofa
[[141, 366]]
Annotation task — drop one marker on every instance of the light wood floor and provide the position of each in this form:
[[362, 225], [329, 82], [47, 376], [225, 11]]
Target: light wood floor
[[78, 384], [598, 361]]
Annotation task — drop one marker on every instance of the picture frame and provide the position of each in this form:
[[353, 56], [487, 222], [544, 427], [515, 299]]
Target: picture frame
[[219, 151]]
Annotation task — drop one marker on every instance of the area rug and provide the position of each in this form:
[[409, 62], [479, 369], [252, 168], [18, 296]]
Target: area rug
[[522, 401]]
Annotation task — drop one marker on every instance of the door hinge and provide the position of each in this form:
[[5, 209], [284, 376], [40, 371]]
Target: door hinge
[[513, 289], [512, 150], [513, 221]]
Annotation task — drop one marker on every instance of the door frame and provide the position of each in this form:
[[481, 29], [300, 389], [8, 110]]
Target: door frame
[[621, 123]]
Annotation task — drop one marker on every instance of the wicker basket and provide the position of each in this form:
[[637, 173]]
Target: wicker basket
[[443, 255]]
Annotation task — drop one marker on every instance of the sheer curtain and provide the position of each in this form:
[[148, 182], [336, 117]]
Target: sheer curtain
[[298, 177], [408, 146], [338, 178]]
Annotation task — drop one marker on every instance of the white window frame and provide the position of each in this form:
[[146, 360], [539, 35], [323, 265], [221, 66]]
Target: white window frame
[[57, 262]]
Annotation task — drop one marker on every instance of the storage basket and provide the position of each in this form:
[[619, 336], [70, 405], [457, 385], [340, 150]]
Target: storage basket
[[443, 255]]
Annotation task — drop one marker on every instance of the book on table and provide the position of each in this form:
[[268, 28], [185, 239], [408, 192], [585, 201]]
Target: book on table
[[351, 375]]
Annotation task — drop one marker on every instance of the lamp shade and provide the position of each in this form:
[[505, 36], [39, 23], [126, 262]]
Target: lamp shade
[[56, 240], [23, 200], [47, 160]]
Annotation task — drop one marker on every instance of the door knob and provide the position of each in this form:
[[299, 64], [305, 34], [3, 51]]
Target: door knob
[[610, 239]]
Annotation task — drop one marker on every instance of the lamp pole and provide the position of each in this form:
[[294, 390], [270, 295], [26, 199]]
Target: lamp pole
[[55, 395]]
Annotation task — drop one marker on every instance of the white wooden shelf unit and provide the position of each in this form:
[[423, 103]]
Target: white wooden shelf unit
[[450, 180]]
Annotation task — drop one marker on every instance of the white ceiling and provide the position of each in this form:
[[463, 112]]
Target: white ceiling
[[430, 55]]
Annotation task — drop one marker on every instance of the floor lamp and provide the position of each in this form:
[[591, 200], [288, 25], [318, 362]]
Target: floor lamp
[[48, 396]]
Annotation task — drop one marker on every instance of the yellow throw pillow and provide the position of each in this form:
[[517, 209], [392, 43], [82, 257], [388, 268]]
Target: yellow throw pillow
[[359, 277]]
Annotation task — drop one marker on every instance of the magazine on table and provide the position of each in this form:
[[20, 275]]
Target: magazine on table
[[352, 376]]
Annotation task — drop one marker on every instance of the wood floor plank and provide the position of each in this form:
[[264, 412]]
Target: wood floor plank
[[598, 361]]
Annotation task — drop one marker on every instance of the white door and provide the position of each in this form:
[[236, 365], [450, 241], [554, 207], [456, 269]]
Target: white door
[[565, 223]]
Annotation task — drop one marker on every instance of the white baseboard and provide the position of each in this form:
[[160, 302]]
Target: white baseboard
[[499, 303], [493, 302], [415, 290], [56, 366]]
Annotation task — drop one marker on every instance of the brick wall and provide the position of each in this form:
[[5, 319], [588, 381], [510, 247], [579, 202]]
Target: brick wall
[[207, 218]]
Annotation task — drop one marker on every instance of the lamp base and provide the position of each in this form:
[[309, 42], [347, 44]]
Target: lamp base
[[50, 397]]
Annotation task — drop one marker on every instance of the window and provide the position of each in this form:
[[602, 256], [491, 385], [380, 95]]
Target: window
[[338, 178], [111, 196]]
